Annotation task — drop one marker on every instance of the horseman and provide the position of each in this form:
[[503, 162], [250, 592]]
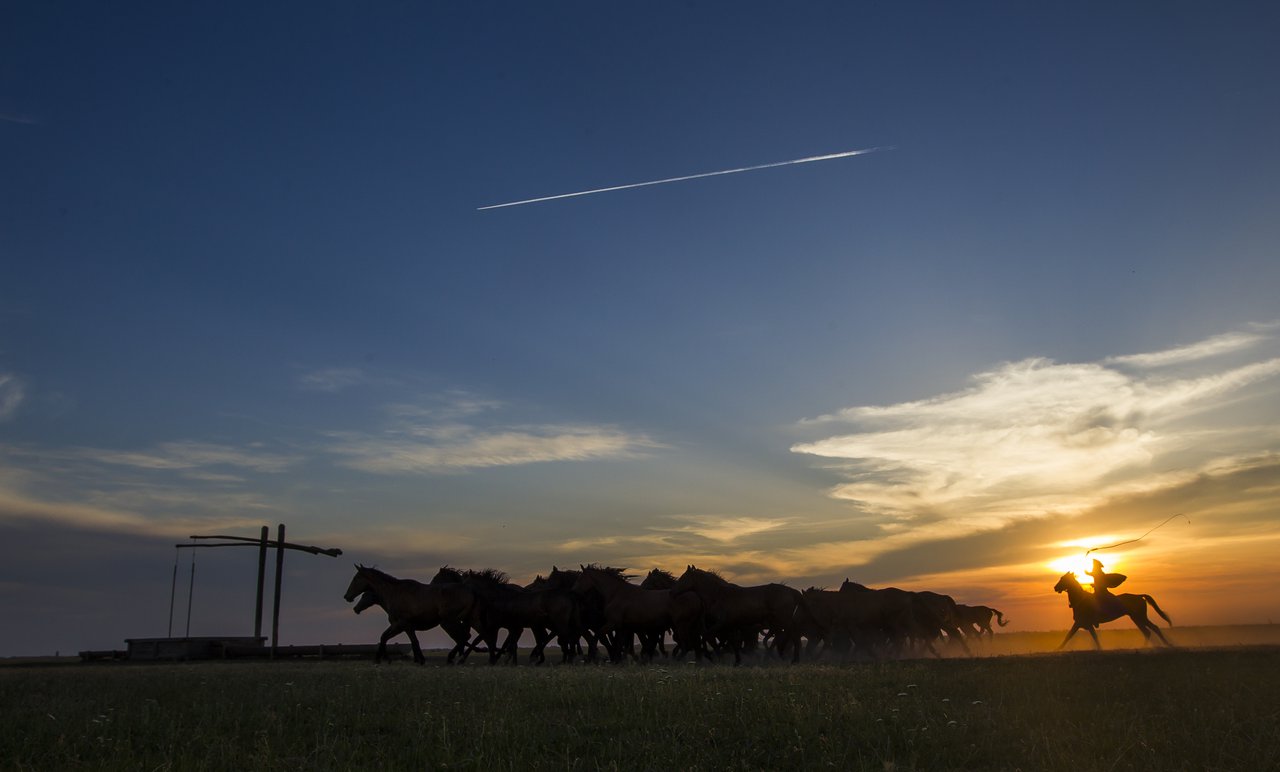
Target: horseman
[[1102, 584]]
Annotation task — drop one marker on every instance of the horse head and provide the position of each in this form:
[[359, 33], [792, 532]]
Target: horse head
[[367, 599], [657, 579], [560, 579], [359, 584], [447, 575], [1067, 582]]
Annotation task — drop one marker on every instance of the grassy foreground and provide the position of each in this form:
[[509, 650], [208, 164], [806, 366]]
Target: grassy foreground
[[1156, 710]]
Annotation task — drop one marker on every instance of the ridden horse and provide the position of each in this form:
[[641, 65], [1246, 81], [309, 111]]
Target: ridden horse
[[648, 613], [410, 605], [978, 619], [735, 613], [1088, 613]]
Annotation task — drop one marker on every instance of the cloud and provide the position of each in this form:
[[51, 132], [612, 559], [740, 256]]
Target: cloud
[[23, 118], [11, 394], [1037, 436], [455, 431], [16, 507], [459, 448], [190, 455], [1210, 347], [332, 379], [176, 484], [730, 529]]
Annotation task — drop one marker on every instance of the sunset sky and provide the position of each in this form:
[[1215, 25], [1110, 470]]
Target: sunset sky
[[245, 282]]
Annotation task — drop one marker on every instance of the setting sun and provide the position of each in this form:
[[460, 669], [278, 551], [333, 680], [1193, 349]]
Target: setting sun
[[1081, 565]]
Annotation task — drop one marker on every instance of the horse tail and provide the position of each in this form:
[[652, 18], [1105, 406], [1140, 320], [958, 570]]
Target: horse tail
[[999, 618], [1156, 606]]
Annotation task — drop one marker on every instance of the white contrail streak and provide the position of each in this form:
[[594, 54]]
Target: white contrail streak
[[810, 159]]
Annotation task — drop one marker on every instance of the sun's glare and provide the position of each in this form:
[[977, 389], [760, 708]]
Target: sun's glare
[[1080, 564], [1076, 563]]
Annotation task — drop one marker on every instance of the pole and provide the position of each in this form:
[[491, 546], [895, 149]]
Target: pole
[[173, 588], [262, 572], [191, 591], [275, 612]]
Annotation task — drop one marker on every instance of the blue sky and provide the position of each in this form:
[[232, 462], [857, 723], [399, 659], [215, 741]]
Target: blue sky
[[246, 282]]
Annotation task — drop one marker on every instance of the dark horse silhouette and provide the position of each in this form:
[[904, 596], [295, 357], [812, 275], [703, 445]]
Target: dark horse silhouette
[[410, 605], [737, 614], [1089, 613]]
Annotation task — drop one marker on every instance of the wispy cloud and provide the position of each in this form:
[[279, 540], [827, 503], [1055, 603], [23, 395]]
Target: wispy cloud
[[1211, 347], [11, 394], [457, 431], [1038, 436], [29, 120], [332, 379], [110, 516], [723, 529], [459, 448], [191, 455], [169, 487]]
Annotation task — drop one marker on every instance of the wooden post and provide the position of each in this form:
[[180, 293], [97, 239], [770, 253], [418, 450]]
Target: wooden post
[[262, 574], [191, 591], [275, 612], [173, 590]]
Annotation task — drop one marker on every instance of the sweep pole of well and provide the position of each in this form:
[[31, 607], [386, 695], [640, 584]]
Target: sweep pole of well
[[262, 575], [275, 612]]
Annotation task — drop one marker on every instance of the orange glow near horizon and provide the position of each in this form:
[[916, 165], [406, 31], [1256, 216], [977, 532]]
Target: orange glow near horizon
[[1081, 564]]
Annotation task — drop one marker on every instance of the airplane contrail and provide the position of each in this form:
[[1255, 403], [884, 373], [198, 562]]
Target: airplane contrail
[[810, 159]]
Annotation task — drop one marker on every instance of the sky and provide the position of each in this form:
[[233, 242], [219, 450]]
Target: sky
[[246, 280]]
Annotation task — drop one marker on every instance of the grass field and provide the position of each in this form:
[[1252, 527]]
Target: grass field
[[1150, 710]]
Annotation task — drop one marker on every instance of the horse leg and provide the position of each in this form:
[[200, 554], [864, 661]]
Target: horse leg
[[474, 645], [1093, 633], [387, 635], [418, 656], [790, 638], [1074, 629], [511, 646], [541, 637], [1150, 627]]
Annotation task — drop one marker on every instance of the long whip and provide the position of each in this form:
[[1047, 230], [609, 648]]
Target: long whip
[[1140, 538]]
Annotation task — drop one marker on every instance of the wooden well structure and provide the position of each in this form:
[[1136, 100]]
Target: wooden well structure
[[208, 647]]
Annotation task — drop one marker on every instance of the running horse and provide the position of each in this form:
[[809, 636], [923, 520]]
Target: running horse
[[647, 613], [410, 605], [737, 614], [1088, 613]]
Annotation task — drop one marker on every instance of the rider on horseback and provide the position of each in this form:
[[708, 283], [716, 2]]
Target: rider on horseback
[[1102, 584]]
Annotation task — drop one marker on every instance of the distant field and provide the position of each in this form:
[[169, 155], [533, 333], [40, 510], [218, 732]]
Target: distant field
[[1151, 710]]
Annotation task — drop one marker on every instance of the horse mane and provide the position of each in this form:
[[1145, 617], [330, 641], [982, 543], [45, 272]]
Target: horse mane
[[383, 575], [712, 574], [450, 573], [488, 576], [620, 573], [660, 579]]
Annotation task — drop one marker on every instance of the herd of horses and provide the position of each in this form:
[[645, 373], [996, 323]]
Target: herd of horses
[[704, 614]]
